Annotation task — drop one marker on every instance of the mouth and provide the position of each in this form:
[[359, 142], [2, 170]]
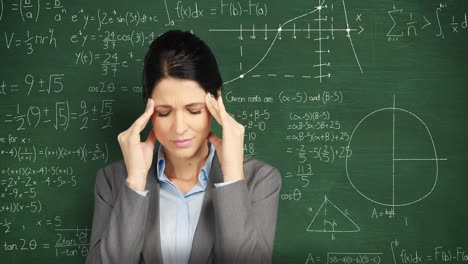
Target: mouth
[[183, 143]]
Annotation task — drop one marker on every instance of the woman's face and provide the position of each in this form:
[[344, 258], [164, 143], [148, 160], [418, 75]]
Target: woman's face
[[181, 121]]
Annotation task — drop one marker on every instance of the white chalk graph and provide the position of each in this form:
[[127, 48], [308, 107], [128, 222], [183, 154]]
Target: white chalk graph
[[320, 30]]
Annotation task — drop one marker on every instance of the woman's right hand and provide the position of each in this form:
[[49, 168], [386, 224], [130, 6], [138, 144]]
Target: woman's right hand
[[138, 155]]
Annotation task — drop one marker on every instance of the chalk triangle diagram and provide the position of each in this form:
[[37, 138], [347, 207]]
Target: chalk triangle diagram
[[330, 219]]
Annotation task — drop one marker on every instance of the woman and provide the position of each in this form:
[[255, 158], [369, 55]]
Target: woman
[[195, 198]]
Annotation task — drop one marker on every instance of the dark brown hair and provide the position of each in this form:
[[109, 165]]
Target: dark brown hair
[[180, 55]]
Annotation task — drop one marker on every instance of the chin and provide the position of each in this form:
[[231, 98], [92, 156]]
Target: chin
[[187, 152]]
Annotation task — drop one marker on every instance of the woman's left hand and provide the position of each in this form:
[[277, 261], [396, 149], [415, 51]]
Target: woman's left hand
[[230, 149]]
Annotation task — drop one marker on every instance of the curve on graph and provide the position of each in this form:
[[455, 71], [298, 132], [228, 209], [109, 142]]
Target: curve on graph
[[289, 21], [273, 42]]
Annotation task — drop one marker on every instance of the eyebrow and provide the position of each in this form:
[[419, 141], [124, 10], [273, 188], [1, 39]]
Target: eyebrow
[[187, 105]]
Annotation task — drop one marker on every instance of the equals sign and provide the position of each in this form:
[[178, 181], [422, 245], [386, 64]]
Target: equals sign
[[45, 245], [124, 88], [213, 11], [14, 86], [48, 222]]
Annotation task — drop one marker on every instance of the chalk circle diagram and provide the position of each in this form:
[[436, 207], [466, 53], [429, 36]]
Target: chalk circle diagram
[[331, 219], [393, 159]]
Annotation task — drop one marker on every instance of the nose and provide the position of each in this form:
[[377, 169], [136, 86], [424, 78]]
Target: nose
[[180, 124]]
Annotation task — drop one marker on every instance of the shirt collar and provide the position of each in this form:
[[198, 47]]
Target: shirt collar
[[202, 176]]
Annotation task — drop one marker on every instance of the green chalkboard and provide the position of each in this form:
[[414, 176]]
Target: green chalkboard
[[362, 106]]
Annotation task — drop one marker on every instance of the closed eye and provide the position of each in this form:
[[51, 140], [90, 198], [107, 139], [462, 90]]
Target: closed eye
[[196, 112], [163, 114]]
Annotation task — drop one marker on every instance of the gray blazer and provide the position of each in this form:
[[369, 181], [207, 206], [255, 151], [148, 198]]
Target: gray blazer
[[237, 222]]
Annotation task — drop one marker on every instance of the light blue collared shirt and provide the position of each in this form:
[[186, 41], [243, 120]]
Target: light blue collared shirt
[[178, 213]]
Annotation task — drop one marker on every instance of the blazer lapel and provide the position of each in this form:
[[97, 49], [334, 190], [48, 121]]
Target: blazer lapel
[[203, 238], [152, 247]]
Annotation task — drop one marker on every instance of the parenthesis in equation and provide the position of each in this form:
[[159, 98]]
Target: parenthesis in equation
[[59, 152], [46, 171], [83, 153], [131, 38], [82, 57], [305, 98], [280, 95], [290, 116], [35, 153], [231, 7], [333, 154], [341, 97], [143, 40], [138, 17], [40, 205], [107, 152], [378, 259], [21, 11], [68, 115], [266, 9], [91, 56], [70, 172], [240, 8], [38, 9], [45, 152], [323, 97]]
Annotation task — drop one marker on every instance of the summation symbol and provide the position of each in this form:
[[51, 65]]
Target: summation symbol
[[322, 32], [331, 219]]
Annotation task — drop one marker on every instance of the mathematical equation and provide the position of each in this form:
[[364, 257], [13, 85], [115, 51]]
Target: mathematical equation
[[67, 242], [31, 11], [61, 116], [52, 84], [83, 153], [409, 24]]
